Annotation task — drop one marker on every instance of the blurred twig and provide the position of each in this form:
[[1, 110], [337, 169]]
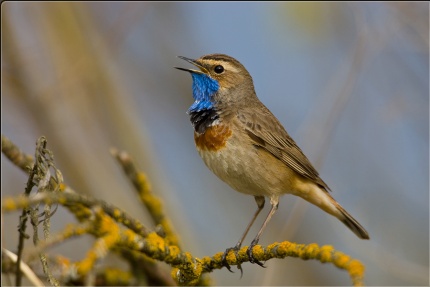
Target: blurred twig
[[41, 145], [152, 203], [25, 269], [15, 155]]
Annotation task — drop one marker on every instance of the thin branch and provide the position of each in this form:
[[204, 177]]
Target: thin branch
[[152, 203], [69, 200], [25, 269], [70, 231], [15, 155], [40, 145]]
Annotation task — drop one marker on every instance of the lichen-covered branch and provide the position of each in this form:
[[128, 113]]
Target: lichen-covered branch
[[189, 269], [324, 254], [152, 203], [116, 231], [16, 155]]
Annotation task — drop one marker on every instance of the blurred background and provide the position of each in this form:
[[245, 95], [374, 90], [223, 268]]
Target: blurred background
[[349, 81]]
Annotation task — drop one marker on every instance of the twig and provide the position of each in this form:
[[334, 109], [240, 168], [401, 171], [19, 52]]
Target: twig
[[70, 199], [15, 155], [41, 144], [25, 269], [152, 203], [70, 231]]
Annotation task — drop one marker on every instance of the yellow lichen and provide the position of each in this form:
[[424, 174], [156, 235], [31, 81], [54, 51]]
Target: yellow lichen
[[155, 242], [341, 259], [218, 257], [143, 182], [312, 249], [9, 204], [207, 260], [174, 252], [116, 213], [356, 268], [64, 262], [326, 253], [115, 276], [62, 187], [231, 257], [86, 265], [62, 200], [258, 252], [284, 248]]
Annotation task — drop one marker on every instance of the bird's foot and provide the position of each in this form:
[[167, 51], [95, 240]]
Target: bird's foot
[[224, 259], [251, 254]]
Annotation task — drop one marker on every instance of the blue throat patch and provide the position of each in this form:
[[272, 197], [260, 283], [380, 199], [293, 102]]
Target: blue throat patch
[[204, 88]]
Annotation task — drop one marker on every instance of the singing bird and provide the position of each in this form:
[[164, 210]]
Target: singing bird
[[246, 146]]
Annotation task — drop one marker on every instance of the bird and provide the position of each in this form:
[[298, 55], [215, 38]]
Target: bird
[[245, 145]]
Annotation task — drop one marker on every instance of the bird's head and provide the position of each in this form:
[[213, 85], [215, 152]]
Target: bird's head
[[219, 80]]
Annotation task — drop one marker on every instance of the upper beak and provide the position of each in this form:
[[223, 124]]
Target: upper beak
[[202, 70]]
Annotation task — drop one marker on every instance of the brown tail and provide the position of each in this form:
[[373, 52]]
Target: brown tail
[[321, 198], [351, 223]]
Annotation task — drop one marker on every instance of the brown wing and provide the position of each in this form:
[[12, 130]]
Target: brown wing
[[266, 132]]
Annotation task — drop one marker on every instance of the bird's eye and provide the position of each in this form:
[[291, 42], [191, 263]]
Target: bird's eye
[[219, 69]]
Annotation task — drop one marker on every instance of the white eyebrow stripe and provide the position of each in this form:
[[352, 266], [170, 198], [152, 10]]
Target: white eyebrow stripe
[[230, 67]]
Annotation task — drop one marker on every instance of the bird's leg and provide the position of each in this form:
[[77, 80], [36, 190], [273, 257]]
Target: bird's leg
[[260, 204], [254, 242]]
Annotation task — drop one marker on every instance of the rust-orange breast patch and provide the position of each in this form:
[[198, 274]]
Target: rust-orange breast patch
[[213, 139]]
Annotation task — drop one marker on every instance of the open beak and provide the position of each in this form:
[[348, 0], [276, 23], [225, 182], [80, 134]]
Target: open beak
[[202, 70]]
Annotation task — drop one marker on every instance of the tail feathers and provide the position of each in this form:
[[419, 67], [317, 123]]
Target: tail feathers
[[351, 223], [321, 198]]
